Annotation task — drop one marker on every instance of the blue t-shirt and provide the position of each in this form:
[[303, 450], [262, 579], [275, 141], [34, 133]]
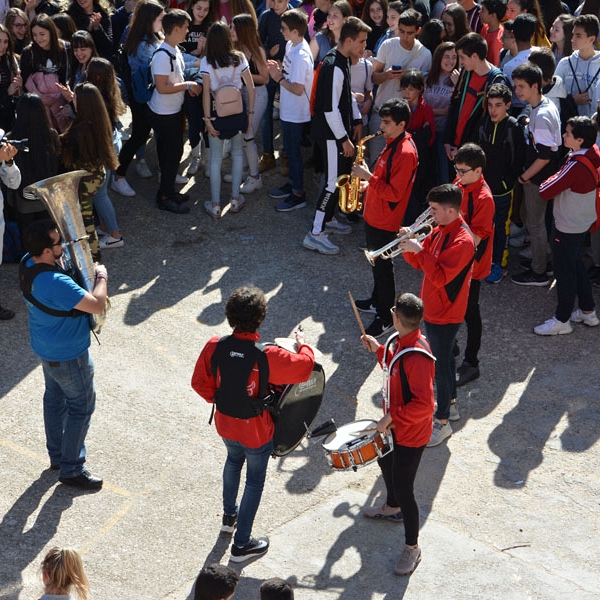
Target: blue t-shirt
[[57, 338]]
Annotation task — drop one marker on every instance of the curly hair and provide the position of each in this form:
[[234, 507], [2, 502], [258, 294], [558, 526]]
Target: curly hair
[[246, 309]]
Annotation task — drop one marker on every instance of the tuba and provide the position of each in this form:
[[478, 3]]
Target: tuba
[[349, 187], [419, 230], [60, 195]]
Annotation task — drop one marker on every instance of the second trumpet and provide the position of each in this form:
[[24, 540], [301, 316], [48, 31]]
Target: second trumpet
[[419, 230]]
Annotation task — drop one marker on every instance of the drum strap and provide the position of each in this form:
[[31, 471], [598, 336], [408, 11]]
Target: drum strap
[[234, 359], [399, 358]]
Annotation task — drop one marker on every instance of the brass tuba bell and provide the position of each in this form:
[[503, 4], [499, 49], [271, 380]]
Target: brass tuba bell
[[60, 194]]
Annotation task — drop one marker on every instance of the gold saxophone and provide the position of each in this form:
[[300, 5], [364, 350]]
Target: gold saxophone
[[348, 186]]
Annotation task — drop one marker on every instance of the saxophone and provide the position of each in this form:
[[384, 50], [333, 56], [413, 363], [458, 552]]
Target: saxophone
[[348, 186]]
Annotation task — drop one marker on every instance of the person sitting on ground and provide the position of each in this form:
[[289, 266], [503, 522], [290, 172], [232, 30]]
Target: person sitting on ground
[[216, 582]]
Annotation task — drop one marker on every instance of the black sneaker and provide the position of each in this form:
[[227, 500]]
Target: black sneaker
[[366, 306], [229, 522], [173, 206], [378, 328], [465, 373], [255, 547], [292, 202], [280, 193], [531, 278]]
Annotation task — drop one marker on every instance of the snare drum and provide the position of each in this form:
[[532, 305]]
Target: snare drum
[[356, 444]]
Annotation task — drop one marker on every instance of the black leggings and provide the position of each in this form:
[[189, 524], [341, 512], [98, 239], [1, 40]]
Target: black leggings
[[399, 469]]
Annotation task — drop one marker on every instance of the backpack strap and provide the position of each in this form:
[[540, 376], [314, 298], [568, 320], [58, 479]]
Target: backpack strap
[[27, 276], [584, 160]]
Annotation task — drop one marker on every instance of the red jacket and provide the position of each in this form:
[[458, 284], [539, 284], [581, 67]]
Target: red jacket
[[284, 367], [386, 201], [413, 421], [422, 116], [446, 261], [477, 209]]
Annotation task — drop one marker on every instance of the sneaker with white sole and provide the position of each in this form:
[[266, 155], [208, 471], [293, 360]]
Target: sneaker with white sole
[[378, 328], [237, 204], [108, 241], [214, 210], [100, 232], [252, 184], [142, 169], [589, 319], [255, 547], [122, 187], [228, 523], [553, 327], [365, 306], [292, 202], [409, 559], [320, 242], [454, 415], [441, 431], [335, 226], [389, 513]]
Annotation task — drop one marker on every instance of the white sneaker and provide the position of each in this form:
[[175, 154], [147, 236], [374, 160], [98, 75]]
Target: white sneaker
[[589, 319], [237, 204], [142, 168], [122, 187], [228, 177], [214, 210], [194, 166], [320, 242], [553, 327], [441, 431], [108, 241], [252, 184]]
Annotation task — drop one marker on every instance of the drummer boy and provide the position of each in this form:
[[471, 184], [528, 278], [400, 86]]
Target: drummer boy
[[408, 411]]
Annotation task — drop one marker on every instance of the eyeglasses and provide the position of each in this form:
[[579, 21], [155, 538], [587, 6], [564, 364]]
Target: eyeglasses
[[59, 243], [393, 310], [461, 172]]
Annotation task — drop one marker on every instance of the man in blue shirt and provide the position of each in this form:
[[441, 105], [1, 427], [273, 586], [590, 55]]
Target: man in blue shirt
[[59, 328]]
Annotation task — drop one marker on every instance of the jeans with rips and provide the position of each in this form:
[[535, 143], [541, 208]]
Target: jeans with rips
[[256, 460], [69, 402]]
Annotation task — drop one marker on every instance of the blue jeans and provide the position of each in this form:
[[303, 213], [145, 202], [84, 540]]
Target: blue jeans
[[292, 137], [69, 402], [441, 340], [256, 469], [216, 159]]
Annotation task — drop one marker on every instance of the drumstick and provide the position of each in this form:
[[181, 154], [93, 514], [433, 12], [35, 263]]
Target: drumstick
[[362, 328]]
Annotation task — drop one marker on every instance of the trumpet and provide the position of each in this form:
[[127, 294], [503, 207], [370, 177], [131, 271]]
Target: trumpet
[[348, 186], [419, 230]]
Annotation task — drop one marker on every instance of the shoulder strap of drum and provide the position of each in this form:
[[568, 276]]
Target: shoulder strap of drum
[[399, 358]]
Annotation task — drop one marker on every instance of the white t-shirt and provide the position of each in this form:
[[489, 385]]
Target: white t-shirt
[[223, 75], [392, 53], [361, 81], [299, 68], [162, 64]]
